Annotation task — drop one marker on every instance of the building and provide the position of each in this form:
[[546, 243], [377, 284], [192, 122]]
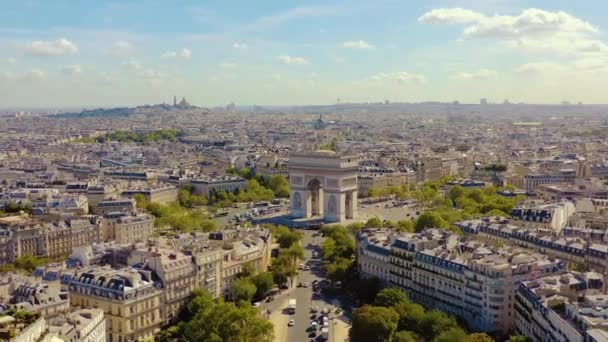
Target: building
[[467, 279], [574, 250], [533, 181], [241, 249], [127, 228], [553, 216], [15, 329], [45, 298], [161, 194], [568, 307], [177, 273], [379, 181], [220, 184], [129, 298], [63, 236], [104, 207], [82, 325]]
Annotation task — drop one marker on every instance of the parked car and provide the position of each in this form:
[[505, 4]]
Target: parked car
[[291, 323]]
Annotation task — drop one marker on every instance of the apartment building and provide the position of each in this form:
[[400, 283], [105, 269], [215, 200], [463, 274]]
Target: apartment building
[[577, 250], [467, 279], [241, 249], [377, 181], [63, 236], [83, 325], [127, 228], [553, 216], [177, 273], [568, 307], [129, 298], [206, 186], [125, 205], [160, 194], [532, 181], [45, 298]]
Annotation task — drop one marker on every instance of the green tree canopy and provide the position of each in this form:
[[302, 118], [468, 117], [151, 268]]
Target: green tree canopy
[[374, 222], [430, 219], [452, 335], [243, 289], [390, 297], [373, 324], [263, 283], [404, 336], [480, 337]]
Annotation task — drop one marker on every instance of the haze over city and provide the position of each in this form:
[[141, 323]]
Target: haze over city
[[74, 54]]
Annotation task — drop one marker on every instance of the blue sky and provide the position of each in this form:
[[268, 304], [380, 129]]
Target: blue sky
[[102, 53]]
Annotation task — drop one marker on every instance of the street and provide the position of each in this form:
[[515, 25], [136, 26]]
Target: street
[[338, 328]]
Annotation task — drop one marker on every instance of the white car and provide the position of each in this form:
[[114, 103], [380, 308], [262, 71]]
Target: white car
[[291, 323]]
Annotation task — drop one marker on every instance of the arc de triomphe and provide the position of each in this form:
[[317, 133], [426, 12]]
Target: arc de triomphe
[[323, 184]]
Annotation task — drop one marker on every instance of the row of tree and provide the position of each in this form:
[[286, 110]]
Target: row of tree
[[393, 317], [277, 183], [206, 319], [136, 137], [176, 216]]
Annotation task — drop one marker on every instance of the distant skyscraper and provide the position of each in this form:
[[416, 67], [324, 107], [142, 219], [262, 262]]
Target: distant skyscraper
[[483, 101], [174, 100]]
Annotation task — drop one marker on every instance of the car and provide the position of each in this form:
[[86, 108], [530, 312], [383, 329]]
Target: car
[[291, 323], [300, 285], [305, 285], [315, 281], [306, 268], [257, 304], [312, 334], [269, 299], [314, 309]]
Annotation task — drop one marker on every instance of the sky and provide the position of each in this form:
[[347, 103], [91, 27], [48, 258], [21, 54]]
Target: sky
[[64, 53]]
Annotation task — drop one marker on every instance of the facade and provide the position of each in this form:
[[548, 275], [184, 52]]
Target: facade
[[128, 297], [533, 181], [225, 184], [553, 216], [574, 250], [177, 273], [130, 228], [115, 205], [63, 236], [323, 184], [470, 280], [378, 181], [161, 195], [83, 325], [569, 307]]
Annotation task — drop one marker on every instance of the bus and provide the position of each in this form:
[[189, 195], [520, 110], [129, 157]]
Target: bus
[[292, 306], [262, 204], [221, 213]]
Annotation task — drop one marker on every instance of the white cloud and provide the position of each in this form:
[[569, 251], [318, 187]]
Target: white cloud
[[481, 74], [293, 14], [540, 67], [33, 75], [291, 60], [358, 44], [531, 30], [399, 77], [72, 69], [58, 47], [227, 65], [240, 46], [182, 54], [450, 15], [120, 47], [132, 65]]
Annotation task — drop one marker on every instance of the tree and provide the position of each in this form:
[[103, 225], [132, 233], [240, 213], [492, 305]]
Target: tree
[[355, 227], [519, 338], [279, 185], [410, 316], [456, 191], [430, 219], [390, 297], [338, 269], [218, 321], [436, 322], [374, 222], [404, 336], [480, 337], [406, 226], [243, 289], [263, 283], [373, 323], [294, 253], [452, 335]]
